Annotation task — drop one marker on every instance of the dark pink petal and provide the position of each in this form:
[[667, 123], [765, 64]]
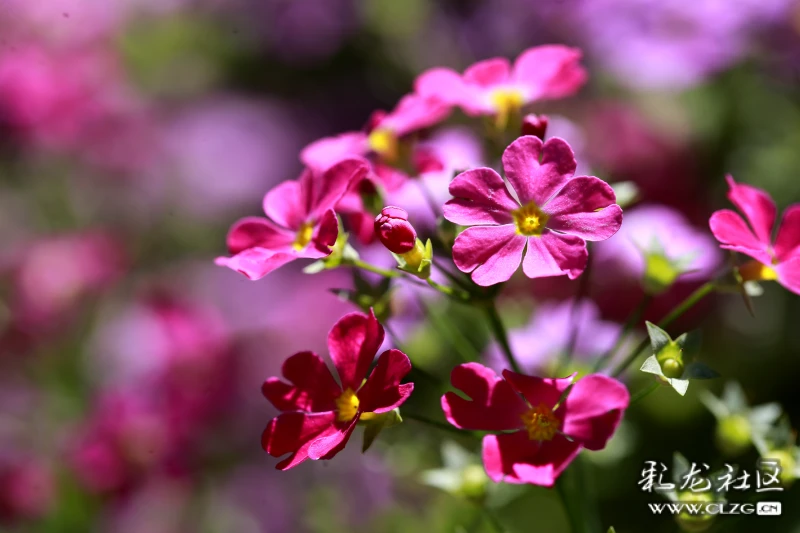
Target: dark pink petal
[[353, 343], [324, 153], [593, 410], [534, 181], [331, 442], [255, 263], [513, 458], [329, 187], [756, 205], [731, 230], [293, 433], [493, 404], [252, 232], [324, 236], [415, 112], [488, 72], [312, 385], [285, 205], [585, 207], [787, 243], [789, 274], [538, 390], [480, 196], [551, 71], [491, 253], [555, 254], [382, 392], [442, 83]]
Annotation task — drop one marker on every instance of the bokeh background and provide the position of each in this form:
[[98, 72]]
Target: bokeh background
[[134, 132]]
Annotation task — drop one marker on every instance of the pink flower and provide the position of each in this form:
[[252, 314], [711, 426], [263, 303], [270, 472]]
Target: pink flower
[[493, 87], [394, 230], [319, 414], [774, 260], [546, 432], [555, 215], [301, 221]]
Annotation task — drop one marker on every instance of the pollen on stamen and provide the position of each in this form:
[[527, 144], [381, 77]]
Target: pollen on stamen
[[347, 406], [530, 220], [304, 236], [541, 423]]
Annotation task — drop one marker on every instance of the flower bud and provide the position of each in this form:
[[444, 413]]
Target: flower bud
[[535, 125], [394, 230], [671, 361], [787, 462], [733, 435], [695, 523]]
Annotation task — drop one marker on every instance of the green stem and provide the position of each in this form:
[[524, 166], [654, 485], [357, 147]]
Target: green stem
[[634, 317], [453, 292], [433, 423], [493, 520], [460, 343], [450, 275], [583, 289], [681, 308], [358, 263], [644, 392], [572, 515], [500, 334]]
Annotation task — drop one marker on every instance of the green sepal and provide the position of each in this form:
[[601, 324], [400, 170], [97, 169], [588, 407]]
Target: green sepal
[[374, 426]]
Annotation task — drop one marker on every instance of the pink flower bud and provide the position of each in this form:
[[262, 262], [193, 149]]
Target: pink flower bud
[[394, 230], [535, 125]]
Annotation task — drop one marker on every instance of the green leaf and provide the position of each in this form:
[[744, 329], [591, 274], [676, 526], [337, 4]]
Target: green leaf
[[651, 366], [698, 370], [733, 396], [374, 426], [658, 337], [714, 404]]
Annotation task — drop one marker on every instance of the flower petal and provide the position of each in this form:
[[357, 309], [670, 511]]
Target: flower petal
[[255, 263], [442, 83], [415, 112], [353, 343], [382, 392], [493, 404], [756, 205], [789, 274], [294, 433], [787, 243], [312, 385], [324, 153], [324, 236], [732, 231], [491, 253], [331, 442], [480, 197], [551, 71], [585, 207], [329, 187], [285, 205], [534, 181], [513, 458], [252, 232], [554, 254], [538, 390], [593, 410], [488, 72]]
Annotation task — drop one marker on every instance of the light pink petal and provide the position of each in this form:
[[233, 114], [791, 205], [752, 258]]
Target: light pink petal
[[538, 390], [513, 458], [489, 72], [415, 112], [789, 274], [787, 243], [382, 392], [312, 385], [328, 444], [554, 254], [324, 153], [444, 84], [491, 253], [255, 263], [493, 404], [329, 187], [756, 205], [480, 197], [593, 410], [252, 232], [731, 230], [293, 433], [353, 343], [585, 207], [550, 71], [534, 181], [285, 205]]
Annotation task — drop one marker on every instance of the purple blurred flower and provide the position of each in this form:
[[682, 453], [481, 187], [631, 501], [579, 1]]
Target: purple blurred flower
[[27, 489]]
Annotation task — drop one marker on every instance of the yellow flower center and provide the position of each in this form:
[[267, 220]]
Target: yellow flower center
[[530, 220], [541, 423], [304, 235], [347, 406], [384, 143], [506, 102], [756, 271]]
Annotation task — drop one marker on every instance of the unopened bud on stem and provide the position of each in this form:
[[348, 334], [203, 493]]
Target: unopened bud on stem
[[394, 230]]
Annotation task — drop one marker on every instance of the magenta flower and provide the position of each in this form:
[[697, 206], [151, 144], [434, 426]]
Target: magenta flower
[[547, 433], [493, 87], [319, 413], [555, 215], [777, 259], [301, 221]]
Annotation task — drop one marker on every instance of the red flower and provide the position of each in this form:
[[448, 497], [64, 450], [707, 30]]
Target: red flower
[[548, 432], [320, 414]]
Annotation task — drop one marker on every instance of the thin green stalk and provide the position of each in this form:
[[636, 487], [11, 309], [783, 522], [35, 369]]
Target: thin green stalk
[[500, 334], [358, 263], [583, 289], [569, 510], [632, 320], [453, 292], [644, 392], [681, 308], [433, 423], [460, 343], [429, 199], [450, 275]]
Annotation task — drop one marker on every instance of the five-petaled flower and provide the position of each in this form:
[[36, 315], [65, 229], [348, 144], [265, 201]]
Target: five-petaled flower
[[555, 215], [774, 260], [319, 414], [541, 431], [492, 87], [301, 223]]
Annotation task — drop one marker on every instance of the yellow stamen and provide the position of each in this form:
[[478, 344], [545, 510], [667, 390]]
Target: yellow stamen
[[530, 220], [506, 102], [541, 423], [304, 235], [756, 271], [347, 406], [384, 143]]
